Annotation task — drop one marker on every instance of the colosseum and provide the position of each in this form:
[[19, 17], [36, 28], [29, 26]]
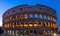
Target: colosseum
[[27, 20]]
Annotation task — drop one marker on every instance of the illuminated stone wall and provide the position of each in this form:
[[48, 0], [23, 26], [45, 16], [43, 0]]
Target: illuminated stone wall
[[30, 19]]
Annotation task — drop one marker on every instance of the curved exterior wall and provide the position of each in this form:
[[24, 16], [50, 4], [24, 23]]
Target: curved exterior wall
[[27, 19]]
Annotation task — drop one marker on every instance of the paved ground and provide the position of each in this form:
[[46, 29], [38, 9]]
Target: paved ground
[[5, 35], [25, 35]]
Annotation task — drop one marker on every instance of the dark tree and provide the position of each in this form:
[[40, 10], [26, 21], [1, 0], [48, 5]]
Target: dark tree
[[1, 31]]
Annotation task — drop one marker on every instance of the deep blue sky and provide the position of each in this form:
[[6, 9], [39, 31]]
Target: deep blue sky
[[7, 4]]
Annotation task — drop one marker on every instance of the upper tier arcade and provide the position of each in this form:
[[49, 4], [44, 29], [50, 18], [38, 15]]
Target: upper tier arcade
[[30, 9]]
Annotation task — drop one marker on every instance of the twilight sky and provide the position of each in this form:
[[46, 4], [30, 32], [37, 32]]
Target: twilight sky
[[7, 4]]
